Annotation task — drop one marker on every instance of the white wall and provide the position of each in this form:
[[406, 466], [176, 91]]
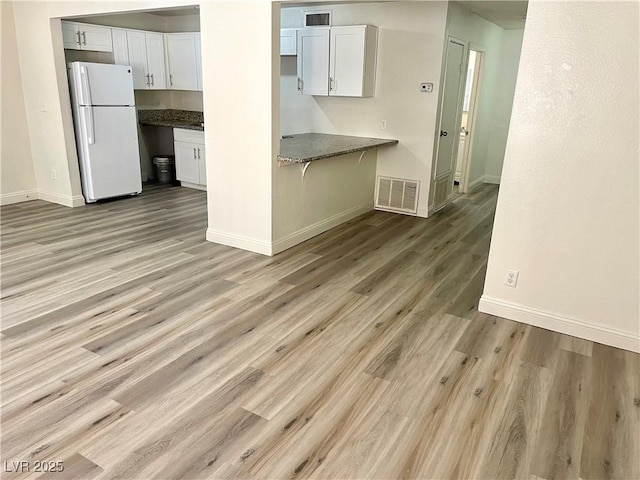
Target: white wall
[[497, 85], [410, 47], [241, 115], [568, 208], [18, 179], [503, 103]]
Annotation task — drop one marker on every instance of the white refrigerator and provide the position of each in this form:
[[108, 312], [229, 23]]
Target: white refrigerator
[[106, 128]]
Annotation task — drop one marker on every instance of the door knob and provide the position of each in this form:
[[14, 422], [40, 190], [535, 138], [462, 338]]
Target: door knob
[[443, 134]]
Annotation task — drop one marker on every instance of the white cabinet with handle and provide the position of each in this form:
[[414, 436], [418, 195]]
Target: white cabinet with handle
[[82, 36], [190, 157], [146, 57], [337, 61], [183, 60], [120, 47]]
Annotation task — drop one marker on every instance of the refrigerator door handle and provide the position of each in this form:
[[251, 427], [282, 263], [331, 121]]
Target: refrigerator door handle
[[88, 121], [86, 89]]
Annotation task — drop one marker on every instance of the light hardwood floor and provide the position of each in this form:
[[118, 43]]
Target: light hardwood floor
[[133, 349]]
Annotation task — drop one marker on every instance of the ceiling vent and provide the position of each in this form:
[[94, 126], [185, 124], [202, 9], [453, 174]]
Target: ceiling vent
[[317, 19], [397, 195]]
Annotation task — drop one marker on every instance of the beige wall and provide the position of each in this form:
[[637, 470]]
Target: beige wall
[[410, 46], [569, 207], [16, 167]]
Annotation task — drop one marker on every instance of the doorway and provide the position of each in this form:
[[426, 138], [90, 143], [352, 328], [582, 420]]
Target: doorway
[[467, 120]]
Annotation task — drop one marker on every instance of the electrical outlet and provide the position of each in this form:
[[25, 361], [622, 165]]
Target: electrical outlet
[[42, 107], [54, 175], [511, 280], [383, 125], [426, 87]]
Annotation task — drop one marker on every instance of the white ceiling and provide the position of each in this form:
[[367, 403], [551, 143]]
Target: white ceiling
[[506, 14]]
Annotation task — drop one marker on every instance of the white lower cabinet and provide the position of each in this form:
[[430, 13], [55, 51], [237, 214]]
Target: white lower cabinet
[[190, 157]]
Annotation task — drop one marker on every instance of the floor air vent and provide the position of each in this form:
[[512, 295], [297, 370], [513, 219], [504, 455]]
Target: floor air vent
[[397, 195]]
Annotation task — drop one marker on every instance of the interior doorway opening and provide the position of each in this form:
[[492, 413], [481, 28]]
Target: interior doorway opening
[[467, 120]]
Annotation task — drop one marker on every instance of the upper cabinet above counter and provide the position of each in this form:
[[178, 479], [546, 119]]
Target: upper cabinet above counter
[[81, 36], [333, 61], [160, 61]]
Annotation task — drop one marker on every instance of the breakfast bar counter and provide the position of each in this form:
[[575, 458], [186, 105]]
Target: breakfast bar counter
[[308, 147]]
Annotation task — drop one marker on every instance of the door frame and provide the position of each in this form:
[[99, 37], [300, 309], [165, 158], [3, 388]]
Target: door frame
[[473, 113], [433, 179]]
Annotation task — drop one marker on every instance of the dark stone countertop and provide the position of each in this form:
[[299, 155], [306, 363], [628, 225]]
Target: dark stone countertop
[[307, 147], [172, 118]]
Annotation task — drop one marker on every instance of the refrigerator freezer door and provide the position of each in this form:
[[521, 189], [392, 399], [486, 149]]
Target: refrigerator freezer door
[[111, 164], [102, 84]]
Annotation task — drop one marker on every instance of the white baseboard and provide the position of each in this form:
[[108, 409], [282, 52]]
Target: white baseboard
[[559, 323], [317, 228], [477, 181], [17, 197], [495, 179], [238, 241], [65, 200]]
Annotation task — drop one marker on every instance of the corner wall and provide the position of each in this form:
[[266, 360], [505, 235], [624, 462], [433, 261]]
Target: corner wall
[[16, 167], [569, 206]]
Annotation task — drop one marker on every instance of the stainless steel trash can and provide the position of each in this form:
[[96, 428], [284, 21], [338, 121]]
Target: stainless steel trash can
[[165, 168]]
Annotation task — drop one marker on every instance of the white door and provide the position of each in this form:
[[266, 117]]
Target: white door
[[105, 84], [313, 61], [346, 73], [70, 36], [187, 168], [120, 49], [199, 60], [95, 38], [182, 61], [449, 122], [155, 61], [138, 58], [112, 162]]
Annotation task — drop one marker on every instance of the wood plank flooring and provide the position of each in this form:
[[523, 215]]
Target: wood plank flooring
[[134, 349]]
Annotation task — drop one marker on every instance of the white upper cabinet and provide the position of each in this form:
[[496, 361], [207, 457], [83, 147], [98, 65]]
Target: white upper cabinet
[[337, 61], [353, 61], [288, 41], [120, 48], [146, 57], [182, 61], [81, 36], [313, 61]]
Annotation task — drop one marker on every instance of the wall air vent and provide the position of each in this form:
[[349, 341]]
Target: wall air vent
[[397, 195], [317, 19]]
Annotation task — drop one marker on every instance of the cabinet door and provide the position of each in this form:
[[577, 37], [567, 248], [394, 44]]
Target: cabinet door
[[187, 166], [95, 38], [120, 49], [288, 41], [155, 60], [138, 58], [198, 61], [313, 61], [346, 72], [70, 36], [202, 164], [181, 53]]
